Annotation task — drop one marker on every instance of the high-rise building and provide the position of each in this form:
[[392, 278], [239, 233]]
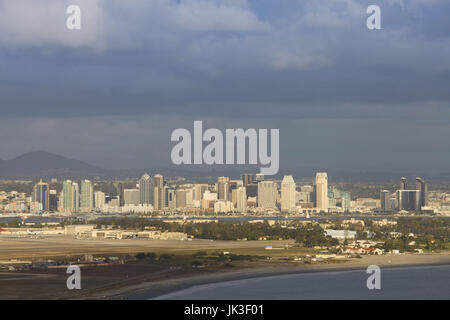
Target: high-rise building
[[66, 201], [423, 188], [223, 188], [241, 199], [120, 192], [252, 190], [131, 197], [234, 197], [70, 196], [53, 200], [385, 198], [181, 195], [99, 199], [408, 200], [200, 189], [210, 196], [145, 190], [87, 196], [322, 191], [267, 194], [304, 197], [248, 178], [332, 199], [76, 196], [403, 184], [158, 192], [41, 195], [190, 196], [170, 198], [288, 194], [345, 201], [234, 184], [112, 201]]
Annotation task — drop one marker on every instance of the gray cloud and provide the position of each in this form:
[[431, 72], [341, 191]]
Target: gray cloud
[[139, 69]]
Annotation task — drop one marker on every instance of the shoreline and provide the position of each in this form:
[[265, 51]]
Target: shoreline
[[152, 290]]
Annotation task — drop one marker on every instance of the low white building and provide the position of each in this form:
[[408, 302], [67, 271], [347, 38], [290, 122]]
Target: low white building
[[223, 206], [74, 230], [340, 234], [140, 208]]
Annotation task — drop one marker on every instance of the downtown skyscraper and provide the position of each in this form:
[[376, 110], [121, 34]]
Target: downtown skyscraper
[[412, 199], [87, 196], [158, 192], [385, 200], [145, 190], [267, 194], [241, 199], [423, 188], [70, 196], [41, 195], [288, 194], [223, 188], [321, 189]]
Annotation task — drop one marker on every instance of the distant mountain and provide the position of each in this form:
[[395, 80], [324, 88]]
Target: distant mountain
[[45, 165], [42, 164]]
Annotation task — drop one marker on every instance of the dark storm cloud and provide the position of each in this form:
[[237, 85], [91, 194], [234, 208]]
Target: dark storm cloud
[[321, 54]]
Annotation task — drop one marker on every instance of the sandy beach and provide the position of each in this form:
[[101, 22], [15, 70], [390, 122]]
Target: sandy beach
[[148, 290]]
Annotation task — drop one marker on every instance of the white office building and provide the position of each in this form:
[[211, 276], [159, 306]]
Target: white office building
[[267, 194], [288, 194], [322, 191]]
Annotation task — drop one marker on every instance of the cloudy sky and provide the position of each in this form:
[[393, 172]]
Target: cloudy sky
[[344, 97]]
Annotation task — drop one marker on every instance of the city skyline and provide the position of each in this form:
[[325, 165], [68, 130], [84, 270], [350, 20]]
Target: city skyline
[[251, 192]]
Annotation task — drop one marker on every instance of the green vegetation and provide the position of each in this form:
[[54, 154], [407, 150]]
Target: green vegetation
[[412, 233], [200, 259], [309, 235], [11, 224]]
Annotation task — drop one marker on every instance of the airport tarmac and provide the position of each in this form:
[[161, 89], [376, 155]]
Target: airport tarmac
[[55, 246]]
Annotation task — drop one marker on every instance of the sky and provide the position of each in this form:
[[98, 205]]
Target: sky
[[344, 97]]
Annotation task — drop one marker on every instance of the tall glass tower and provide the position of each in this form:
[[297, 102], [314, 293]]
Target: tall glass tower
[[41, 195]]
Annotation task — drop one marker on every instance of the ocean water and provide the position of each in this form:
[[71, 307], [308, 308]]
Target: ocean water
[[424, 282]]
